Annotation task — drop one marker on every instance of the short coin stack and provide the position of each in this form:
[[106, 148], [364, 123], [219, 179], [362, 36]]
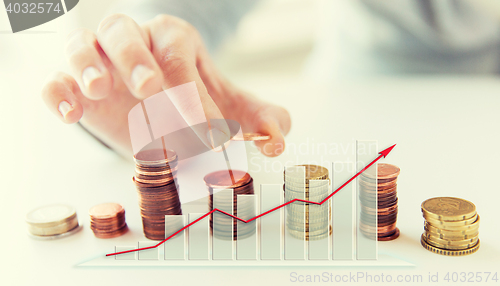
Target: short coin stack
[[379, 191], [156, 183], [301, 218], [242, 184], [451, 226], [52, 221], [108, 220]]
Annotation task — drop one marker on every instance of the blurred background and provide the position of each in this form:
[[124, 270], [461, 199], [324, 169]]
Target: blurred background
[[430, 84]]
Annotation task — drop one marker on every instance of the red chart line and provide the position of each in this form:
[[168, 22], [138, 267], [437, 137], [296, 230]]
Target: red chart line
[[383, 154]]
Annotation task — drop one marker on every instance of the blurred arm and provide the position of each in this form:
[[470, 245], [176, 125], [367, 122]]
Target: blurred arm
[[214, 19]]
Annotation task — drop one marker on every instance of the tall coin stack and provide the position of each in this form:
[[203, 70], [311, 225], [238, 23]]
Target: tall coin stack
[[451, 226], [242, 184], [311, 218], [380, 191], [156, 183], [108, 220]]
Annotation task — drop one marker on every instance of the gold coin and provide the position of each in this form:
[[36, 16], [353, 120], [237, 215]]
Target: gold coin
[[53, 230], [448, 208], [311, 172], [450, 235], [473, 226], [454, 223], [449, 252], [448, 231], [449, 247], [51, 216], [467, 241]]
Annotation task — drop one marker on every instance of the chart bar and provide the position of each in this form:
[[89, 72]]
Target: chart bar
[[271, 225], [318, 219], [295, 214], [125, 256], [246, 242], [175, 248], [343, 212], [148, 254], [223, 228], [199, 237], [366, 235]]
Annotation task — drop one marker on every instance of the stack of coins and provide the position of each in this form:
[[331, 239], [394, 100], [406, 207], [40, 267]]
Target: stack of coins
[[52, 221], [156, 183], [242, 184], [379, 191], [451, 226], [301, 218], [108, 220]]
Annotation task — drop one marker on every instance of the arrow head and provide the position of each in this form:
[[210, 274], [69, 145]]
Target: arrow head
[[387, 151]]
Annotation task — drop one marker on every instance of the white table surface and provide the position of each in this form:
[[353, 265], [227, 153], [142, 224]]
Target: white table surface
[[446, 130]]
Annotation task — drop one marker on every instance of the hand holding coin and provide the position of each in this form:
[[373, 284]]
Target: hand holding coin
[[116, 68]]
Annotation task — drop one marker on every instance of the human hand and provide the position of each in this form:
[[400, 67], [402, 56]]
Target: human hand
[[124, 63]]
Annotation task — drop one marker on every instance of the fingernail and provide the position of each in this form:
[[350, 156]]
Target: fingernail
[[217, 138], [89, 75], [140, 75], [65, 108]]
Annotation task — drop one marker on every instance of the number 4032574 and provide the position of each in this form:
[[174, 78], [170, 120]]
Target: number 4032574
[[471, 277], [33, 8]]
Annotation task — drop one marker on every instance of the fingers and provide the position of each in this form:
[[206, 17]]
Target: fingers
[[60, 94], [175, 45], [274, 121], [87, 66], [128, 48]]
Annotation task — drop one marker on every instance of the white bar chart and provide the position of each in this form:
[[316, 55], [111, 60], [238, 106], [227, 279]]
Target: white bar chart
[[313, 222]]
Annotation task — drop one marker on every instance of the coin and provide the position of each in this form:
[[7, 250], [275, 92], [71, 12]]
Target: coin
[[449, 252], [447, 232], [448, 246], [390, 236], [379, 202], [251, 137], [451, 226], [242, 184], [473, 226], [445, 241], [155, 158], [384, 171], [156, 183], [227, 179], [52, 220], [448, 208], [107, 220], [311, 183], [311, 172]]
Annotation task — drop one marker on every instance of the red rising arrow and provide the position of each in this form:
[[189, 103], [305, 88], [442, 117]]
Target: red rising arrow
[[382, 153]]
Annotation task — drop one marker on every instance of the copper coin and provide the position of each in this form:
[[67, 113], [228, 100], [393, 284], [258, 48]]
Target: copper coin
[[389, 237], [383, 182], [378, 181], [226, 179], [155, 157], [380, 186], [106, 210], [384, 171], [246, 188], [251, 137]]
